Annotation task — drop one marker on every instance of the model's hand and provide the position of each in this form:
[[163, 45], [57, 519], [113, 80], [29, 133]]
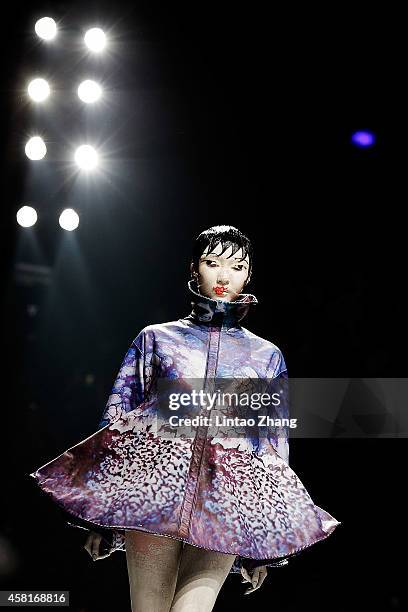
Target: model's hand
[[256, 579], [92, 546]]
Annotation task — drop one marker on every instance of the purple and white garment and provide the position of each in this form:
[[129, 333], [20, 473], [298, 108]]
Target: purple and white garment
[[232, 495]]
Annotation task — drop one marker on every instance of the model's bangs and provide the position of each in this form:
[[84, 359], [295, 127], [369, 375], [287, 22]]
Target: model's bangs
[[225, 244]]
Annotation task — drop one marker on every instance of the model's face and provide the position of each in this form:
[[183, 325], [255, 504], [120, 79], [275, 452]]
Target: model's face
[[222, 277]]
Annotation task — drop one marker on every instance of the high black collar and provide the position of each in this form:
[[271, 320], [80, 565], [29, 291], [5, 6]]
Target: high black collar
[[218, 312]]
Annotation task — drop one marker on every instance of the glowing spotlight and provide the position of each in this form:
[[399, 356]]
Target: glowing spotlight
[[69, 219], [89, 91], [95, 39], [26, 216], [363, 138], [35, 148], [38, 90], [46, 28], [86, 157]]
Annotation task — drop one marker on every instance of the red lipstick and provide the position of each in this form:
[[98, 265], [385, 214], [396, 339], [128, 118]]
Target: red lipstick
[[220, 290]]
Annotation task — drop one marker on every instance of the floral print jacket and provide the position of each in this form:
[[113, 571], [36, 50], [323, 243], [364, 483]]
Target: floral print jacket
[[221, 490]]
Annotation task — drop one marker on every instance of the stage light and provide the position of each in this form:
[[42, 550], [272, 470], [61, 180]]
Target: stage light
[[38, 90], [35, 148], [89, 91], [69, 219], [363, 138], [46, 28], [95, 39], [86, 157], [26, 216]]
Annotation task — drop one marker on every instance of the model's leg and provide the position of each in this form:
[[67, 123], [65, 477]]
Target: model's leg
[[152, 563], [200, 578]]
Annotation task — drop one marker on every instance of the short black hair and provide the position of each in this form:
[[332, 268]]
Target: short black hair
[[227, 235]]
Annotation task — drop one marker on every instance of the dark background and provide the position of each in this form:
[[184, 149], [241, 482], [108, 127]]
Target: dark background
[[216, 113]]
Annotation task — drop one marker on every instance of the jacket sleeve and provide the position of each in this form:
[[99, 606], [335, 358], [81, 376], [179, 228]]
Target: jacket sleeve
[[279, 383], [131, 387], [277, 380], [131, 383]]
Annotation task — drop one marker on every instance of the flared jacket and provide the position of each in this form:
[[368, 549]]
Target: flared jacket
[[216, 489]]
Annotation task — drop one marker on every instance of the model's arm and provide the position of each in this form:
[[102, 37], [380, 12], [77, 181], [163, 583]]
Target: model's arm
[[276, 379], [129, 390], [279, 382], [130, 384]]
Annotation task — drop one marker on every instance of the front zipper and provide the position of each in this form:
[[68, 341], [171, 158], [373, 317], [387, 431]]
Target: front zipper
[[190, 497]]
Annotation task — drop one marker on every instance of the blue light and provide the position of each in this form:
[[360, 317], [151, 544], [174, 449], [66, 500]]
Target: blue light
[[363, 138]]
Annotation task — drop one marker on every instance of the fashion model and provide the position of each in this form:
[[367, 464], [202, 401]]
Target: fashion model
[[188, 510]]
